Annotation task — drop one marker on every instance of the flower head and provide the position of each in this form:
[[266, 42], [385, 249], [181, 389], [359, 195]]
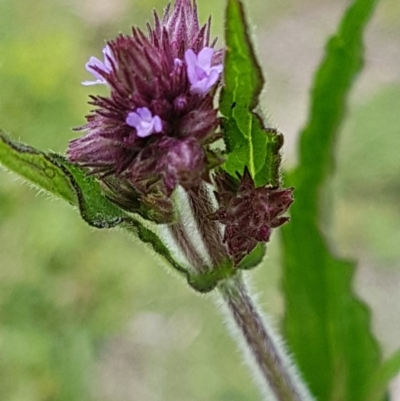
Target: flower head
[[249, 213], [155, 127]]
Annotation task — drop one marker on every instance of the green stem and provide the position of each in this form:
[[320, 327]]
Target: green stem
[[261, 340]]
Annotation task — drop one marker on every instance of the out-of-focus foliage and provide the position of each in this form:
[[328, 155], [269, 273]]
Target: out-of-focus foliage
[[335, 349]]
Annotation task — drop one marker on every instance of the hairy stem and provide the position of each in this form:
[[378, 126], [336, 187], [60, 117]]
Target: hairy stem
[[265, 348], [202, 208], [187, 248]]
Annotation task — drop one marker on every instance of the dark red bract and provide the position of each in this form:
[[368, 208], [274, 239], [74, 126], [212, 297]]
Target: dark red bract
[[249, 213]]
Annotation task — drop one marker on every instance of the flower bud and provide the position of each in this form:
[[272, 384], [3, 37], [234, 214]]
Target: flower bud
[[249, 213]]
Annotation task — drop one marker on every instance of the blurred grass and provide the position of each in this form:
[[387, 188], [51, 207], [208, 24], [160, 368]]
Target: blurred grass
[[87, 314]]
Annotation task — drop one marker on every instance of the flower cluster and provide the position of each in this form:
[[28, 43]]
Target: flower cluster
[[153, 131], [249, 213]]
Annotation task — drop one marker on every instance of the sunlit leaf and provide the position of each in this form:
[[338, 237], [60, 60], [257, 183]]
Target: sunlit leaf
[[248, 142]]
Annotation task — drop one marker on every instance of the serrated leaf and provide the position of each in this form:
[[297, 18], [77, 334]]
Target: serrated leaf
[[327, 326], [248, 143], [35, 167], [56, 175], [95, 208]]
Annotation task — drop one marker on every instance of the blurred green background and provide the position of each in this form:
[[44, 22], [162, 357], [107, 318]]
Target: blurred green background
[[89, 315]]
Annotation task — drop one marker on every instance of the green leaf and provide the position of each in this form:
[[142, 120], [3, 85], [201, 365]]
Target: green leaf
[[248, 142], [254, 258], [56, 175], [206, 282], [327, 326], [36, 167], [386, 372]]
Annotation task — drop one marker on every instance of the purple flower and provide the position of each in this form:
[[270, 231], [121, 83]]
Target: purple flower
[[249, 213], [95, 66], [154, 130], [144, 122], [202, 75]]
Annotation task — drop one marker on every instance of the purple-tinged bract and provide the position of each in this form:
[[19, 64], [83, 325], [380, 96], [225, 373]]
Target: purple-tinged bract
[[249, 213], [153, 131]]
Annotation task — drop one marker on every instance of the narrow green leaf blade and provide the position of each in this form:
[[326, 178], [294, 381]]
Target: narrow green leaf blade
[[249, 144], [327, 326]]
